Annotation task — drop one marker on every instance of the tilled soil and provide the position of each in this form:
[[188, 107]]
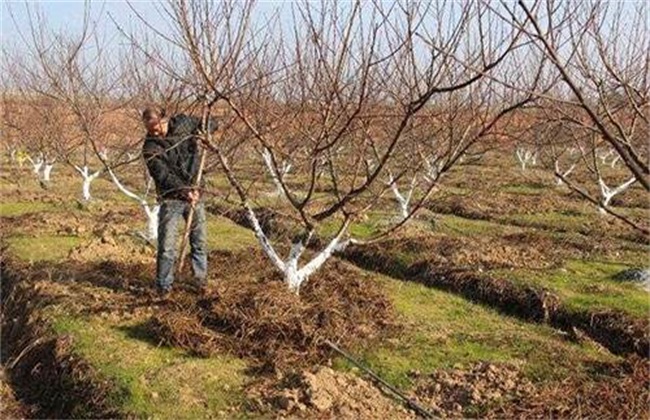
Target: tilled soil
[[457, 392], [324, 393], [614, 391]]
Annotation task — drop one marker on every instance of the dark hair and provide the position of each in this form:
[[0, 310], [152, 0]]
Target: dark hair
[[152, 111]]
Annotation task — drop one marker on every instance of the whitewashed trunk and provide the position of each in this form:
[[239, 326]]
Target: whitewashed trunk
[[276, 175], [608, 193], [85, 188], [294, 276], [37, 167], [403, 202], [88, 178], [524, 157], [566, 173], [151, 211], [47, 172], [152, 221]]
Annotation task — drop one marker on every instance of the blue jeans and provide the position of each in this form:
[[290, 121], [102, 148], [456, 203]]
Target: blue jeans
[[171, 212]]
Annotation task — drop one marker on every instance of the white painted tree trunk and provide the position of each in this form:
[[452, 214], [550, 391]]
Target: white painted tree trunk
[[525, 157], [605, 155], [433, 169], [150, 210], [608, 193], [88, 178], [152, 221], [295, 276], [403, 202], [47, 172], [36, 165], [276, 175], [564, 174]]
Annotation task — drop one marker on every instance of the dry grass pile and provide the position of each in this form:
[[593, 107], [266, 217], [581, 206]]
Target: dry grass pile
[[10, 408], [183, 329], [616, 330], [251, 313]]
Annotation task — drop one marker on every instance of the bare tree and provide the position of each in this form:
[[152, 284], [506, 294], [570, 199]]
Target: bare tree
[[74, 72], [335, 97], [601, 51]]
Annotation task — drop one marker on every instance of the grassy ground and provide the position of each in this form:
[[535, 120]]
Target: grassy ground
[[588, 285], [442, 331], [153, 381], [439, 329]]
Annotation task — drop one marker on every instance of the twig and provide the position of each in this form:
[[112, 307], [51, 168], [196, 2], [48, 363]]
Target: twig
[[409, 402]]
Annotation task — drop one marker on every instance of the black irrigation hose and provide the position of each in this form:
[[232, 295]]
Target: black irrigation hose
[[409, 402]]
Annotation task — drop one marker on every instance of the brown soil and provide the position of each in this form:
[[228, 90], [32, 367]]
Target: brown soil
[[620, 391], [324, 393], [459, 393]]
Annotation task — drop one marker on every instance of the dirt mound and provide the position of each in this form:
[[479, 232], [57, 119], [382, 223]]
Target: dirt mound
[[326, 393], [465, 252], [108, 246], [277, 327], [621, 391], [459, 393]]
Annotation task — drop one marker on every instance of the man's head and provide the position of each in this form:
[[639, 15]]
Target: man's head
[[154, 121]]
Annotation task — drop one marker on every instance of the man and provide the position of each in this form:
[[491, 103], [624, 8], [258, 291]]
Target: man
[[171, 152]]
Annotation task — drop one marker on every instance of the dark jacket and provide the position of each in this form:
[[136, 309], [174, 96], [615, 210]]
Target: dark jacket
[[173, 160]]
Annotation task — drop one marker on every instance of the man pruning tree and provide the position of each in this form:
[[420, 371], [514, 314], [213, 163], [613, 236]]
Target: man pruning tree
[[171, 152]]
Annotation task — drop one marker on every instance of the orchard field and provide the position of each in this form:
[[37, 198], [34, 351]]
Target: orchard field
[[415, 209], [450, 310]]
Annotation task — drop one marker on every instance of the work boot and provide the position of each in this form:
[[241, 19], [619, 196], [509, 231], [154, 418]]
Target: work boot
[[200, 284], [162, 293]]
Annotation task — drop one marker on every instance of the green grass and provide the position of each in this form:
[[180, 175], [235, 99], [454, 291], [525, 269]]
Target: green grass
[[224, 234], [42, 248], [456, 225], [11, 209], [152, 381], [588, 285], [442, 330], [526, 188], [374, 223], [554, 221]]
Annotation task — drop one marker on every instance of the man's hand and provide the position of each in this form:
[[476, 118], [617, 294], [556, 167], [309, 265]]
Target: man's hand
[[193, 197]]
